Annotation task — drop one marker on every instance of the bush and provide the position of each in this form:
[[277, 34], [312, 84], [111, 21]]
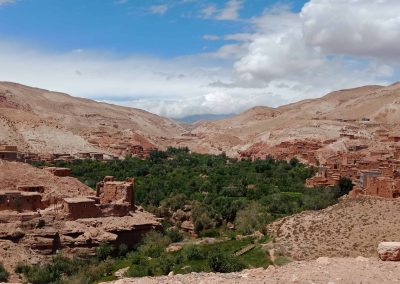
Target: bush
[[204, 218], [222, 262], [92, 273], [166, 264], [3, 273], [104, 250], [153, 244], [21, 267], [139, 271], [122, 249], [193, 253], [210, 233], [175, 235], [345, 186], [250, 219]]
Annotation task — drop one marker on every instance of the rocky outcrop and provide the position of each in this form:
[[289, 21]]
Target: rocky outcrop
[[389, 251]]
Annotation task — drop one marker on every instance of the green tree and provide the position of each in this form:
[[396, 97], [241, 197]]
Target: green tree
[[345, 185]]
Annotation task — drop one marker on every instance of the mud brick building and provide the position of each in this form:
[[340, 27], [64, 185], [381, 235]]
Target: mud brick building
[[9, 153], [60, 172], [19, 201], [113, 198]]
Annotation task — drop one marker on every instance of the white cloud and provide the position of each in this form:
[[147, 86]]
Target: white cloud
[[230, 11], [287, 57], [208, 11], [356, 27], [281, 49], [211, 37], [158, 9], [3, 2]]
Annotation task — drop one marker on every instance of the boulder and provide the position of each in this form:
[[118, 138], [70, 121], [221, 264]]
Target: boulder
[[389, 251], [187, 226], [180, 215]]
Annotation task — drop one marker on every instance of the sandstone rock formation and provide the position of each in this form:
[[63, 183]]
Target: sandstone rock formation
[[389, 251], [54, 225]]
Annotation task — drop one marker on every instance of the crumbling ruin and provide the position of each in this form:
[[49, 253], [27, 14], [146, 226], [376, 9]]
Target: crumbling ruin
[[113, 198], [74, 221]]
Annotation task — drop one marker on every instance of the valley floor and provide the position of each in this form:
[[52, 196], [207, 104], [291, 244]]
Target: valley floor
[[322, 270]]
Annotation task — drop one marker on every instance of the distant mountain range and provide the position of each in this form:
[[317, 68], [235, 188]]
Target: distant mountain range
[[41, 121], [204, 117]]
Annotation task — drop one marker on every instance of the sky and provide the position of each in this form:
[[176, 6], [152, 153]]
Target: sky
[[186, 57]]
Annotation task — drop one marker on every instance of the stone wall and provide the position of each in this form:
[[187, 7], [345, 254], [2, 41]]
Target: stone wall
[[20, 201], [81, 207], [110, 191]]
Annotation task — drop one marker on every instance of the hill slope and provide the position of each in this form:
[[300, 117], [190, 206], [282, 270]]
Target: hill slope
[[42, 121], [364, 110]]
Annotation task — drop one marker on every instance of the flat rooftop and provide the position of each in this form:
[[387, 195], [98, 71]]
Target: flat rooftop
[[79, 200]]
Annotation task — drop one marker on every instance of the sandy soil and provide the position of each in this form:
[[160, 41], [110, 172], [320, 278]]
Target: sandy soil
[[351, 228]]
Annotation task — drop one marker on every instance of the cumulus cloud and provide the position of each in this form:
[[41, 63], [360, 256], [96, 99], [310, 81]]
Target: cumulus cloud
[[286, 57], [211, 37], [283, 47], [356, 27], [158, 9], [230, 11], [2, 2], [208, 11]]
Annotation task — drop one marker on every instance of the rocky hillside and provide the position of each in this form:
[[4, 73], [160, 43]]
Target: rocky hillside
[[321, 270], [363, 110], [42, 121], [353, 227]]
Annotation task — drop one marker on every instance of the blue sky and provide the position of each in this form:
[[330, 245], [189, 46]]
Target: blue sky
[[176, 28], [186, 57]]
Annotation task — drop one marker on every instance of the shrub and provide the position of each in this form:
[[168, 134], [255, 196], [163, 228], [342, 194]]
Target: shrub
[[345, 186], [91, 273], [222, 262], [175, 235], [104, 250], [123, 249], [204, 218], [139, 271], [21, 267], [166, 263], [175, 202], [193, 253], [3, 273], [250, 219], [210, 233], [153, 244]]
